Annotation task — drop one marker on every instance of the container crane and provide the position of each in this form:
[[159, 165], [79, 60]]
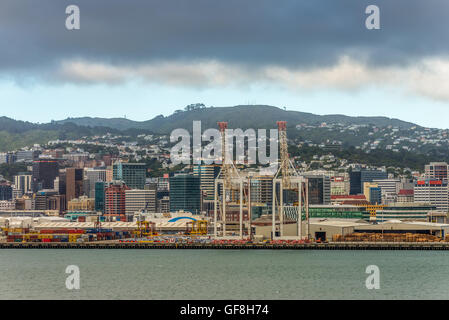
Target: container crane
[[290, 180]]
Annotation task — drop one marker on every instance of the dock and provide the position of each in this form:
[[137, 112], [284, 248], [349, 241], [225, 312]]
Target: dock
[[248, 246]]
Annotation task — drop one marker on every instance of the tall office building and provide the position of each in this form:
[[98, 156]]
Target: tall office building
[[115, 200], [207, 174], [319, 189], [358, 177], [5, 191], [137, 200], [434, 192], [262, 190], [436, 171], [99, 196], [185, 193], [93, 176], [22, 182], [44, 174], [73, 183], [133, 174]]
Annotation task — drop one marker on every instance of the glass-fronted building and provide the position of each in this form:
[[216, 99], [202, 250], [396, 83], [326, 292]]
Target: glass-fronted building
[[133, 174], [185, 193]]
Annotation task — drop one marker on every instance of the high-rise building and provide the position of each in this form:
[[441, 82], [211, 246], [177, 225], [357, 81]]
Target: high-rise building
[[319, 189], [44, 174], [5, 191], [137, 200], [74, 183], [207, 174], [115, 200], [133, 174], [185, 193], [262, 190], [434, 192], [93, 176], [99, 196], [358, 177], [22, 182], [436, 171]]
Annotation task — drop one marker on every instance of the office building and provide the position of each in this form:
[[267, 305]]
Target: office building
[[434, 192], [339, 185], [262, 190], [436, 171], [163, 204], [358, 177], [7, 158], [49, 200], [138, 200], [5, 192], [44, 174], [26, 155], [163, 183], [319, 189], [115, 200], [92, 177], [22, 182], [185, 193], [73, 183], [207, 174], [100, 188], [133, 174]]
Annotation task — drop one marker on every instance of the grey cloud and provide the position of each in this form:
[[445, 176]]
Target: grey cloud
[[291, 33]]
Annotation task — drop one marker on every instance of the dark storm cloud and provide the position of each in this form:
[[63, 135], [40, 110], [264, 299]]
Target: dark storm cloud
[[297, 33]]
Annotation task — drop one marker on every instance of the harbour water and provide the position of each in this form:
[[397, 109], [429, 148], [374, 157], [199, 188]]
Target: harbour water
[[222, 274]]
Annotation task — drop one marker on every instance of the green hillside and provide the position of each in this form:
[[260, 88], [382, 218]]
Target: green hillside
[[263, 117]]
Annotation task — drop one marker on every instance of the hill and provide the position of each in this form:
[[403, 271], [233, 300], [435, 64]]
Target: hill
[[259, 116]]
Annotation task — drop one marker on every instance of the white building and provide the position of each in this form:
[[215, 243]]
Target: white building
[[434, 192]]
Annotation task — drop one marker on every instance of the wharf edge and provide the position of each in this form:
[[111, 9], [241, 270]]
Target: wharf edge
[[304, 246]]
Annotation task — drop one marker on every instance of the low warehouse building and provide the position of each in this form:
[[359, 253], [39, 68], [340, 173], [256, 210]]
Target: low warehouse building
[[397, 226], [322, 229], [326, 229]]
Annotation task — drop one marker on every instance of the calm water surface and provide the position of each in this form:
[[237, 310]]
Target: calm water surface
[[223, 274]]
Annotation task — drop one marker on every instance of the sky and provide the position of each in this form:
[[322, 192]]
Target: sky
[[139, 59]]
